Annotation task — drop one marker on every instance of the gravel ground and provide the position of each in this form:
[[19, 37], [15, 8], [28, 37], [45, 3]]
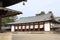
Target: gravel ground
[[28, 36], [5, 36], [20, 36]]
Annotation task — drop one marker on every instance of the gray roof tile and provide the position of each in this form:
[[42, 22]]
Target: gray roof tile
[[43, 17]]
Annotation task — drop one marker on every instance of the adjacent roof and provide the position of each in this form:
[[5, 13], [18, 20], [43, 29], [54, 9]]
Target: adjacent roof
[[57, 19], [5, 12], [10, 2], [43, 17], [56, 26]]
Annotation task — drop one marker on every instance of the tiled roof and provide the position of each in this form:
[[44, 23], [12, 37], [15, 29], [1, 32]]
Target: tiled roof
[[56, 26], [57, 19], [43, 17]]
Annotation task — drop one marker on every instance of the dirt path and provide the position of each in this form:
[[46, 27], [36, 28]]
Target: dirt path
[[26, 36], [36, 37], [5, 36]]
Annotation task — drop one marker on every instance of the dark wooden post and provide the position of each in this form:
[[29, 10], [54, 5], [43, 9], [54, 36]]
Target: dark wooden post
[[25, 27], [0, 23], [38, 26], [18, 27], [10, 27], [29, 26], [1, 5], [50, 26], [15, 27], [21, 27], [33, 26], [43, 25]]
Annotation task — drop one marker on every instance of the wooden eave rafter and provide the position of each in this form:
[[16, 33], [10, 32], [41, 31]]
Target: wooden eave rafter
[[8, 12]]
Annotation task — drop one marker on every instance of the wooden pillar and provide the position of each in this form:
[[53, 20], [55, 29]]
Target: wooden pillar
[[29, 26], [14, 27], [33, 26], [38, 26], [21, 27], [25, 27], [1, 5], [51, 26], [17, 27], [1, 15], [43, 26], [10, 27], [0, 23]]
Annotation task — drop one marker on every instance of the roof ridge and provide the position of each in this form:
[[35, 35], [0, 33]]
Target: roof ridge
[[32, 16]]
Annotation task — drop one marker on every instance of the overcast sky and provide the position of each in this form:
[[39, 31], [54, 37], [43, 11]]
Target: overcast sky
[[33, 7]]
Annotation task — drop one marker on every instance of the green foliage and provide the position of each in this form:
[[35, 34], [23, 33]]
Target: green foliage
[[42, 12], [9, 19]]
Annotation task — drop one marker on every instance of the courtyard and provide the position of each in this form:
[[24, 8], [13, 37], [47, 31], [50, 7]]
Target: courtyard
[[36, 36], [29, 36]]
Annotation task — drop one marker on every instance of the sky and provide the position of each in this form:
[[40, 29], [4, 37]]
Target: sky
[[33, 7]]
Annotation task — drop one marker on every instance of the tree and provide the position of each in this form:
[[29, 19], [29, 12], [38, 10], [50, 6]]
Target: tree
[[8, 19], [42, 12]]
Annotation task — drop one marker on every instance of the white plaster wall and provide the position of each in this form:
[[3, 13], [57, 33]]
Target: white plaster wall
[[47, 26], [27, 27], [36, 26], [19, 27], [23, 27], [41, 26], [12, 29], [16, 27], [31, 26]]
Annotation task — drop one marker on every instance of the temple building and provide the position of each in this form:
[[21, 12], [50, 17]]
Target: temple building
[[43, 22]]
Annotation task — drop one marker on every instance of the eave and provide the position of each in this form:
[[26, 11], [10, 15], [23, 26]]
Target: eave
[[10, 2], [5, 12]]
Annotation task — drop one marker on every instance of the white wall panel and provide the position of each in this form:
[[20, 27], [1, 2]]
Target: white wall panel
[[41, 26], [19, 27], [16, 27], [12, 28], [27, 27], [31, 26], [23, 27], [36, 26], [47, 26]]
